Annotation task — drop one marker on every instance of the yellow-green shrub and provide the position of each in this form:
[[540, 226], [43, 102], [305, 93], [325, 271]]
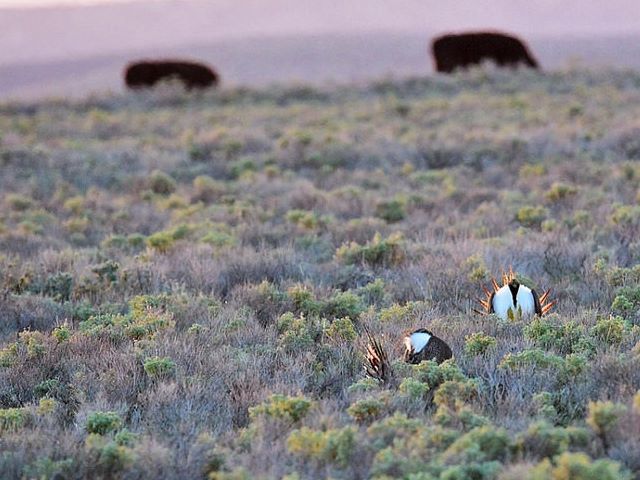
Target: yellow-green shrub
[[603, 416], [282, 407], [161, 183], [297, 333], [366, 410], [559, 191], [342, 329], [378, 252], [159, 367], [530, 216], [577, 466], [610, 330], [479, 344], [334, 446], [102, 423], [13, 419]]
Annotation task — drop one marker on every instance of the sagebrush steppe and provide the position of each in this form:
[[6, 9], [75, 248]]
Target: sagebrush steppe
[[185, 279]]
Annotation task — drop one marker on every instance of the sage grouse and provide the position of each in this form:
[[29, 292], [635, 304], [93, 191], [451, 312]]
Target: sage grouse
[[419, 345], [513, 300], [424, 345]]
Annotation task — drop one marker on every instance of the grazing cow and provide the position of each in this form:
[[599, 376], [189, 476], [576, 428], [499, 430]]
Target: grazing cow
[[148, 73], [461, 51]]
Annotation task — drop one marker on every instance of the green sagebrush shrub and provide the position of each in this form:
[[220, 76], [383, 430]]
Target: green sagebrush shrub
[[343, 304], [46, 406], [627, 303], [107, 271], [48, 468], [334, 446], [485, 443], [161, 241], [391, 211], [533, 357], [378, 252], [61, 333], [531, 217], [237, 474], [560, 191], [303, 218], [304, 300], [397, 313], [147, 315], [297, 333], [566, 369], [161, 183], [577, 466], [110, 458], [59, 286], [477, 470], [341, 329], [282, 407], [219, 239], [340, 304], [476, 268], [30, 345], [242, 167], [433, 452], [18, 202], [102, 423], [34, 343], [611, 331], [625, 215], [159, 367], [414, 389], [541, 439], [604, 416], [434, 374], [382, 433], [366, 410], [551, 333], [618, 276], [206, 189], [13, 419], [477, 344]]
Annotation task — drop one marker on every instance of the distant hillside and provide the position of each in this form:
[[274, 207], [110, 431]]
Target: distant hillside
[[76, 50], [44, 34], [310, 59]]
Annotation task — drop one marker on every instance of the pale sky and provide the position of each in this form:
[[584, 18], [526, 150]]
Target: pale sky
[[40, 3]]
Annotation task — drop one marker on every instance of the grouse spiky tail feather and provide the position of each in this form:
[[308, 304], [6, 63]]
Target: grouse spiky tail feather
[[377, 366]]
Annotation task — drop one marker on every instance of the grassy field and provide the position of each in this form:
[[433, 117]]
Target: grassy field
[[185, 280]]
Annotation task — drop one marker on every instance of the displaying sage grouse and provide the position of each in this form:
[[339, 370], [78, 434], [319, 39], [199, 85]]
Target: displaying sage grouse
[[419, 345], [424, 345], [513, 301]]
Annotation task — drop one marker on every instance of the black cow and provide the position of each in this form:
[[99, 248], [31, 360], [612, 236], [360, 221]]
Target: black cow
[[460, 51], [149, 72]]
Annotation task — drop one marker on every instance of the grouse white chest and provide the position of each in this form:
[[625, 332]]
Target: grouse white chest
[[525, 301], [416, 341], [502, 302], [524, 305]]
